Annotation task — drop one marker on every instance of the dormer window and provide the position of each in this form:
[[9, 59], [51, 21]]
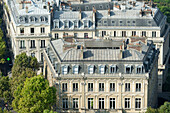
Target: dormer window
[[121, 23], [102, 69], [113, 69], [91, 69], [139, 69], [42, 19], [56, 24], [22, 19], [85, 24], [128, 69], [32, 19], [66, 24], [133, 22], [64, 70], [101, 7], [76, 69], [75, 24]]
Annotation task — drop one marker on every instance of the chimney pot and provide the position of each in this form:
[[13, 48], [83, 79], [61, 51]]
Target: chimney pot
[[26, 9]]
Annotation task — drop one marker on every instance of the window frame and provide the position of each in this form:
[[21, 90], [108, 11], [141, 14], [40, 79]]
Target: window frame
[[101, 103], [113, 101], [101, 87], [128, 104], [90, 87], [75, 87], [112, 87], [64, 87], [127, 87]]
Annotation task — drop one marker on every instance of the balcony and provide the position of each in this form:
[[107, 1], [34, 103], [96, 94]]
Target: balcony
[[22, 47], [33, 47], [90, 89], [75, 89], [33, 35]]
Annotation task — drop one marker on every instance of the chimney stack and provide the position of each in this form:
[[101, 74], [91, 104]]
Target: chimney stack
[[48, 6], [81, 52], [80, 15], [121, 53], [94, 14], [26, 9], [109, 12]]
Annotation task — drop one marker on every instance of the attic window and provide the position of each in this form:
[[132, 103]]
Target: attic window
[[101, 7], [113, 22], [105, 22], [91, 69], [128, 69], [102, 69], [113, 69], [78, 8], [64, 70], [87, 8], [149, 22], [42, 19], [45, 7], [76, 69], [139, 69], [32, 19]]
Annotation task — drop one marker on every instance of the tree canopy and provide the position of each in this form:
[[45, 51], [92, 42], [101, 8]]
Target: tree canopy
[[163, 109], [24, 63], [34, 96], [2, 47]]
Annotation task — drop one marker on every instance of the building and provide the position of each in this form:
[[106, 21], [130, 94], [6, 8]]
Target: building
[[102, 75], [115, 20], [28, 25]]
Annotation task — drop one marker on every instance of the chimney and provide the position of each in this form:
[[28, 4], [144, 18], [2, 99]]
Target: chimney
[[21, 5], [48, 6], [123, 46], [26, 9], [80, 15], [134, 4], [94, 14], [121, 53], [109, 12], [81, 52]]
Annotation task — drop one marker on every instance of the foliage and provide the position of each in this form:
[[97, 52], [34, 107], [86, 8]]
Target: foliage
[[5, 91], [23, 63], [165, 108], [34, 96], [48, 111], [2, 48], [164, 5], [151, 110]]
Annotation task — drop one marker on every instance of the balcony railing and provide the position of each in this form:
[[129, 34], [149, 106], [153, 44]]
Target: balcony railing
[[32, 34], [90, 89], [22, 47], [75, 89]]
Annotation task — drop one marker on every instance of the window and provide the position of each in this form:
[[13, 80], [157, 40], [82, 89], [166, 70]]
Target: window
[[85, 24], [114, 33], [90, 103], [99, 21], [113, 22], [113, 69], [76, 69], [149, 22], [75, 102], [105, 22], [33, 54], [42, 30], [66, 24], [121, 23], [87, 8], [127, 87], [75, 24], [123, 33], [112, 86], [101, 7], [42, 19], [42, 60], [153, 33], [75, 35], [22, 31], [138, 87], [32, 44], [32, 31], [45, 7], [75, 87], [103, 33], [22, 19], [42, 43], [56, 24], [22, 44], [128, 23], [139, 69], [101, 103], [64, 87], [101, 86], [128, 70], [64, 70], [127, 102], [143, 33], [137, 103], [102, 69], [65, 103], [85, 35], [112, 103], [133, 23], [90, 86], [133, 33], [56, 36], [32, 19], [91, 69]]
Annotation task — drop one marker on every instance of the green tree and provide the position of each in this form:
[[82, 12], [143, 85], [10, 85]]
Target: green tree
[[23, 63], [2, 48], [34, 96], [48, 111], [151, 110], [165, 108]]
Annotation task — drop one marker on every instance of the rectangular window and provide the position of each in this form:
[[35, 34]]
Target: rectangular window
[[56, 36], [128, 70], [102, 69], [127, 102], [32, 44], [75, 35], [90, 103], [42, 43], [139, 69], [121, 23], [22, 44], [91, 69], [75, 87], [42, 30], [123, 33], [32, 31], [65, 103], [137, 103], [64, 87], [75, 24], [113, 69], [75, 103], [114, 33], [85, 24], [101, 103], [103, 33], [153, 33], [133, 33], [65, 24], [22, 31], [90, 86], [76, 69], [112, 103], [42, 60], [101, 86], [112, 86], [143, 33], [127, 87], [85, 35], [138, 87]]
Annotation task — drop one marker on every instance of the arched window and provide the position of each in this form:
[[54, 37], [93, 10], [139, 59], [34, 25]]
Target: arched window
[[42, 19], [32, 19], [22, 19]]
